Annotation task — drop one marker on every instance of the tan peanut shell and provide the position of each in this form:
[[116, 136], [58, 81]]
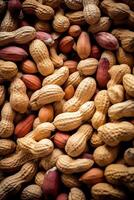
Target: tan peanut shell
[[76, 17], [39, 178], [2, 94], [20, 36], [40, 54], [41, 25], [6, 123], [120, 174], [117, 72], [101, 191], [74, 79], [83, 93], [42, 12], [36, 143], [120, 110], [9, 23], [88, 66], [70, 180], [7, 146], [52, 3], [71, 120], [67, 165], [8, 70], [76, 193], [58, 77], [105, 155], [18, 97], [50, 161], [116, 93], [96, 140], [32, 191], [126, 38], [13, 183], [15, 161], [102, 104], [47, 94], [60, 23], [73, 4], [102, 25], [56, 59], [76, 143], [129, 156], [128, 83], [124, 57], [91, 12], [58, 107], [113, 133]]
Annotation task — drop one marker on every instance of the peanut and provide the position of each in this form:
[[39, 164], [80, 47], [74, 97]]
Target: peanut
[[60, 23], [102, 25], [129, 156], [22, 35], [42, 12], [88, 66], [28, 66], [8, 70], [71, 120], [102, 104], [83, 93], [31, 192], [120, 110], [117, 72], [39, 178], [13, 183], [18, 98], [76, 143], [68, 165], [119, 174], [69, 92], [105, 155], [6, 123], [7, 146], [110, 57], [101, 191], [50, 161], [76, 193], [46, 113], [40, 54], [74, 4], [56, 59], [47, 94], [124, 57], [96, 140], [113, 133], [70, 180], [128, 83], [76, 17], [74, 79], [58, 77], [116, 93]]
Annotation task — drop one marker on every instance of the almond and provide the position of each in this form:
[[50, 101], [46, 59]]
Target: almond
[[24, 126], [51, 183], [107, 41], [74, 31], [32, 82], [84, 45], [13, 53], [60, 139], [28, 66], [102, 75], [72, 65], [46, 113], [93, 176], [66, 44]]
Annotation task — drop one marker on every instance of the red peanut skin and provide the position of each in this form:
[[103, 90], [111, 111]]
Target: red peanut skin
[[14, 6], [32, 82], [95, 52], [102, 75], [51, 183], [27, 124], [62, 196]]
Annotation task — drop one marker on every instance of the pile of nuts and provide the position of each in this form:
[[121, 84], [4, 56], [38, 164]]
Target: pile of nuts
[[67, 99]]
